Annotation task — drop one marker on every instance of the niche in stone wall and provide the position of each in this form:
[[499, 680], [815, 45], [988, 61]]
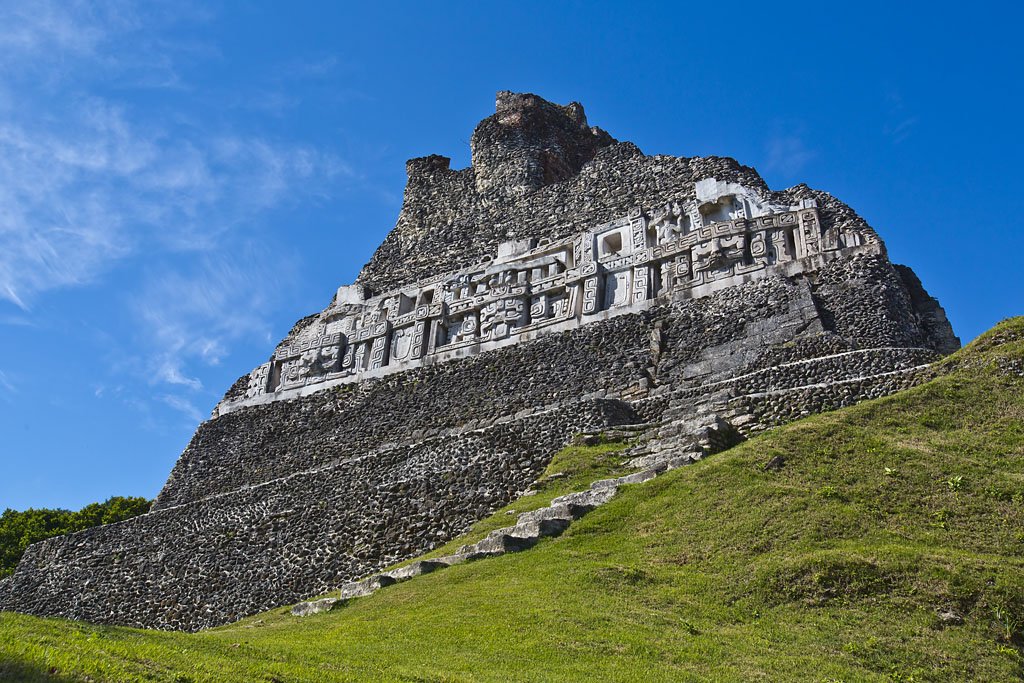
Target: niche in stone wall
[[610, 244], [685, 225], [656, 279], [726, 208], [401, 344], [790, 242], [406, 304], [616, 289]]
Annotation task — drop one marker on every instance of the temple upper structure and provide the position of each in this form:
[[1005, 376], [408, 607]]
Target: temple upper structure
[[726, 235], [534, 237]]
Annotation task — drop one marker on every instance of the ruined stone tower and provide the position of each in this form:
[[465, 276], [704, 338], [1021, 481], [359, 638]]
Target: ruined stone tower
[[564, 282]]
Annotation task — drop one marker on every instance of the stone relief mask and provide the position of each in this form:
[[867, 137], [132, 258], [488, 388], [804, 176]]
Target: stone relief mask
[[501, 317], [319, 361], [719, 253], [291, 372]]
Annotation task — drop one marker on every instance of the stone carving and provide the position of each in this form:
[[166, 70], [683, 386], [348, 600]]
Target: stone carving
[[675, 250], [562, 305], [640, 284], [540, 307], [378, 352], [418, 335], [462, 330], [320, 361], [402, 344], [590, 295], [499, 318], [348, 360], [258, 379], [719, 254], [616, 289]]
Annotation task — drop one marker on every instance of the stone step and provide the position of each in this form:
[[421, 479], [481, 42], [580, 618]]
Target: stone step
[[497, 543], [364, 587], [305, 609], [540, 528], [635, 478], [414, 569], [451, 560], [569, 511], [593, 497], [670, 457]]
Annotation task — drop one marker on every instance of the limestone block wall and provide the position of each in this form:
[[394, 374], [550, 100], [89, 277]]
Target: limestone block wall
[[728, 333], [227, 556], [779, 406], [269, 441]]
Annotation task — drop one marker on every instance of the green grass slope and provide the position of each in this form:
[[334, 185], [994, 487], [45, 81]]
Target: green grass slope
[[835, 567]]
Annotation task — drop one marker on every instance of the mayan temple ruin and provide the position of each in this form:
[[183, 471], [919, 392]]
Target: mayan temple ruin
[[564, 283]]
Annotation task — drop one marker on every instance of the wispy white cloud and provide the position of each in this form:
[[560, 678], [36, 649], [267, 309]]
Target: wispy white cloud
[[78, 196], [191, 318], [6, 384], [183, 406], [902, 130], [787, 154], [51, 43], [100, 180], [86, 181], [900, 122], [47, 29]]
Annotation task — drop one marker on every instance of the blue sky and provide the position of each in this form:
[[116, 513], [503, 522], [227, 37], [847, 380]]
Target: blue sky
[[180, 182]]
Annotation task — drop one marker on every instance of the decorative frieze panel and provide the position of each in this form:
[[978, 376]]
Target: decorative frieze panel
[[258, 380], [500, 318], [679, 247], [300, 346]]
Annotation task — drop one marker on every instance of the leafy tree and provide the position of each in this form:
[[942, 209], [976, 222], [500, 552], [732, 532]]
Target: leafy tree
[[18, 530]]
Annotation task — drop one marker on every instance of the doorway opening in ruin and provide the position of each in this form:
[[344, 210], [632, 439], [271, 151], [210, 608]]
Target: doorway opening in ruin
[[790, 242]]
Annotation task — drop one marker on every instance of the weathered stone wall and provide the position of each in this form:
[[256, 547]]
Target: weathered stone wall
[[733, 332], [269, 441], [226, 556], [288, 492], [274, 503]]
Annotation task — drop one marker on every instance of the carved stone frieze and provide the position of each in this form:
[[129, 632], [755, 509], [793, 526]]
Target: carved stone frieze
[[722, 237]]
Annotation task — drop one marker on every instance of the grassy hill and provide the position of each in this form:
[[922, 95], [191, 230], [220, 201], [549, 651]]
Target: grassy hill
[[889, 547]]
